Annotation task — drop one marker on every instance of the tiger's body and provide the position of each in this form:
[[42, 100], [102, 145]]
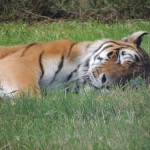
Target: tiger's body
[[54, 64]]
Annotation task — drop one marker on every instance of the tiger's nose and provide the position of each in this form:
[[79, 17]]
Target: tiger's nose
[[102, 80]]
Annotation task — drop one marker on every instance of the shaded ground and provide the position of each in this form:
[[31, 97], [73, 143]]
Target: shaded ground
[[104, 11]]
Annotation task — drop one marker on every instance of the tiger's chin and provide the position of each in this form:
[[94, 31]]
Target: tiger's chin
[[92, 87]]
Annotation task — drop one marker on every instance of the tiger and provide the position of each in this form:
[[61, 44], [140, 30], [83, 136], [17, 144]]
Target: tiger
[[99, 64]]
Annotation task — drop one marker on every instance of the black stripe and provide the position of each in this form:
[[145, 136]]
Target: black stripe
[[118, 49], [124, 46], [102, 50], [119, 59], [58, 70], [30, 45], [87, 63], [130, 55], [111, 42], [109, 54], [108, 47], [71, 74], [13, 91], [71, 49], [121, 44], [41, 65], [100, 47]]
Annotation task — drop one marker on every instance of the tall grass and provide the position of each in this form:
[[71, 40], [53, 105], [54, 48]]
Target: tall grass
[[115, 119]]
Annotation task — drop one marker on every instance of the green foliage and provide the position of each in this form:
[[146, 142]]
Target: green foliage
[[102, 10], [115, 119]]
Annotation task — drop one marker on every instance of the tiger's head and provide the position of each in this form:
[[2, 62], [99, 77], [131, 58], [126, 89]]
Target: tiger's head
[[116, 62]]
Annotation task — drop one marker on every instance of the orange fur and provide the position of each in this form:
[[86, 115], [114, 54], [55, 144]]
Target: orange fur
[[21, 66]]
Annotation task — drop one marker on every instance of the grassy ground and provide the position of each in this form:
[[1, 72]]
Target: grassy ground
[[113, 120]]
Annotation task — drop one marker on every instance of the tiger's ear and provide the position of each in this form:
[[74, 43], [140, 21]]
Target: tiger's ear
[[135, 38]]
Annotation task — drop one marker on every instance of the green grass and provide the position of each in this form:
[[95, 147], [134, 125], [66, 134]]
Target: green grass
[[114, 120]]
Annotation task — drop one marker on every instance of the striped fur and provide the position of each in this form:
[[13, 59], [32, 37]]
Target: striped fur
[[102, 63]]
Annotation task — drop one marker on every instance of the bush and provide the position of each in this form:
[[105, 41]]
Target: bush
[[101, 10]]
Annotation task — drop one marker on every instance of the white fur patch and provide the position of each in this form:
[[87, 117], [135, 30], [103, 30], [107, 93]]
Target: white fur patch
[[6, 90], [127, 55], [51, 67], [67, 68]]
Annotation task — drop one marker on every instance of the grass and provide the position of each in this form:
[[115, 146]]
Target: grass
[[96, 120]]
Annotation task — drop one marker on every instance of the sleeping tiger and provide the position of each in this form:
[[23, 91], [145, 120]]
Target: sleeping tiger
[[102, 63]]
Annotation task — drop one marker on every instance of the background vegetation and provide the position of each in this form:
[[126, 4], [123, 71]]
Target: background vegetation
[[101, 10], [108, 120]]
